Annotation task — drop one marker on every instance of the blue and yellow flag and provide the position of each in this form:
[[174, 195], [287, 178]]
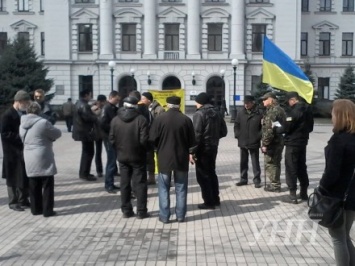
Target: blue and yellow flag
[[281, 72]]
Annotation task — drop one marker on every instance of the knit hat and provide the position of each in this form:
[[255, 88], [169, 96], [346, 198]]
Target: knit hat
[[22, 95], [202, 98], [101, 98], [173, 100], [292, 94], [130, 102], [148, 95]]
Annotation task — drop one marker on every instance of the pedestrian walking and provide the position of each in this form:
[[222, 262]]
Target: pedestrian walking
[[68, 110]]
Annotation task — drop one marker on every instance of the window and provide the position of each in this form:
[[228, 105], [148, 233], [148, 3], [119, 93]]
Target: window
[[171, 37], [305, 6], [325, 5], [42, 43], [324, 43], [85, 37], [323, 88], [24, 35], [84, 1], [2, 5], [41, 6], [348, 5], [23, 5], [258, 32], [85, 83], [3, 41], [304, 43], [215, 37], [255, 81], [259, 1], [347, 43], [129, 37]]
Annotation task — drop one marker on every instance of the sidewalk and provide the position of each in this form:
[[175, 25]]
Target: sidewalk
[[252, 227]]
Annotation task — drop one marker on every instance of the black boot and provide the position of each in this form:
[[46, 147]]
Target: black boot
[[303, 194], [292, 198]]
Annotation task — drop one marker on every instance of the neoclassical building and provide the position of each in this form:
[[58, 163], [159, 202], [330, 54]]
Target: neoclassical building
[[171, 44]]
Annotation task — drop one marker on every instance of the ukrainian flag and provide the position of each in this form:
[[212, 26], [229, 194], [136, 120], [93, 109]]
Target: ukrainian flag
[[281, 72]]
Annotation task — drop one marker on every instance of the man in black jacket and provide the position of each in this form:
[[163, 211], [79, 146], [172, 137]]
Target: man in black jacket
[[84, 124], [298, 125], [247, 129], [172, 133], [109, 112], [129, 136], [209, 128]]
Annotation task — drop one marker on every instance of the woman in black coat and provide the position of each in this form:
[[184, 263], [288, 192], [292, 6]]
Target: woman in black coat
[[339, 169]]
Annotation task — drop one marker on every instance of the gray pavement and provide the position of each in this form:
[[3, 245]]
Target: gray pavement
[[252, 227]]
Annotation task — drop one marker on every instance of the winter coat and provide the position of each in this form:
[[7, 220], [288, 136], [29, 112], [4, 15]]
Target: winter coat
[[298, 125], [84, 122], [129, 135], [209, 127], [48, 113], [68, 109], [172, 133], [339, 167], [38, 135], [247, 128], [13, 167]]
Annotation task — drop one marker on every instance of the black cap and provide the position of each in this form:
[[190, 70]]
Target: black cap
[[148, 95], [249, 98], [268, 95], [202, 98], [173, 100], [292, 94], [131, 100]]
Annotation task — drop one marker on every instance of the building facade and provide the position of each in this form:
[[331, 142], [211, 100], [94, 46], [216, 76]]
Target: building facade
[[171, 44]]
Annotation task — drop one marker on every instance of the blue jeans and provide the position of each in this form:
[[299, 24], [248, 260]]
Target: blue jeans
[[111, 167], [343, 246], [181, 181]]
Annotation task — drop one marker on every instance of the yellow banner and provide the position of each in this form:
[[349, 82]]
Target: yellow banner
[[160, 97]]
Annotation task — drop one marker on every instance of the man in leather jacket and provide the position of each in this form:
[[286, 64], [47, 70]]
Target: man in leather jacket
[[84, 124], [209, 128]]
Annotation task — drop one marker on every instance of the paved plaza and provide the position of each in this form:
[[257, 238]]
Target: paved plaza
[[251, 227]]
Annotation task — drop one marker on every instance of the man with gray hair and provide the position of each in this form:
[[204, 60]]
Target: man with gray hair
[[129, 136], [13, 168], [172, 133]]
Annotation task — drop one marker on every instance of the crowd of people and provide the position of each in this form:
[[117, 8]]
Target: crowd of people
[[133, 133]]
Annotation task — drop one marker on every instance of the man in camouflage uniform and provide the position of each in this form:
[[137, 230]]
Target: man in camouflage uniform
[[272, 143]]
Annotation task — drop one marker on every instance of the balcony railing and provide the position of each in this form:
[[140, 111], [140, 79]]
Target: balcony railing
[[171, 55]]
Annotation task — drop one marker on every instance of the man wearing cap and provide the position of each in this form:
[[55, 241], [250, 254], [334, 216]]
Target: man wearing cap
[[209, 127], [247, 129], [129, 136], [172, 134], [155, 109], [298, 125], [84, 124], [272, 143], [13, 169]]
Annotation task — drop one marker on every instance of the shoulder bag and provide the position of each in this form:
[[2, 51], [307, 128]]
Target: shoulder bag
[[328, 210]]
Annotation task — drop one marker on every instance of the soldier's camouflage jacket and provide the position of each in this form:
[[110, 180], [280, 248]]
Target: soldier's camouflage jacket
[[273, 113]]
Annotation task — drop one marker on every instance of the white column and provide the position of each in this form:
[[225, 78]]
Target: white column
[[106, 29], [237, 30], [193, 29], [150, 27]]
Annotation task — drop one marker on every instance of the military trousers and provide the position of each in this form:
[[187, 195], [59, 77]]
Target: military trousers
[[272, 162]]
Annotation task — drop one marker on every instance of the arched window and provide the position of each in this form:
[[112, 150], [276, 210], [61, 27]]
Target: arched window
[[126, 85], [216, 90], [171, 83]]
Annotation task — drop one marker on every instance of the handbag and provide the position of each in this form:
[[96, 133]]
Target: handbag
[[328, 210]]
